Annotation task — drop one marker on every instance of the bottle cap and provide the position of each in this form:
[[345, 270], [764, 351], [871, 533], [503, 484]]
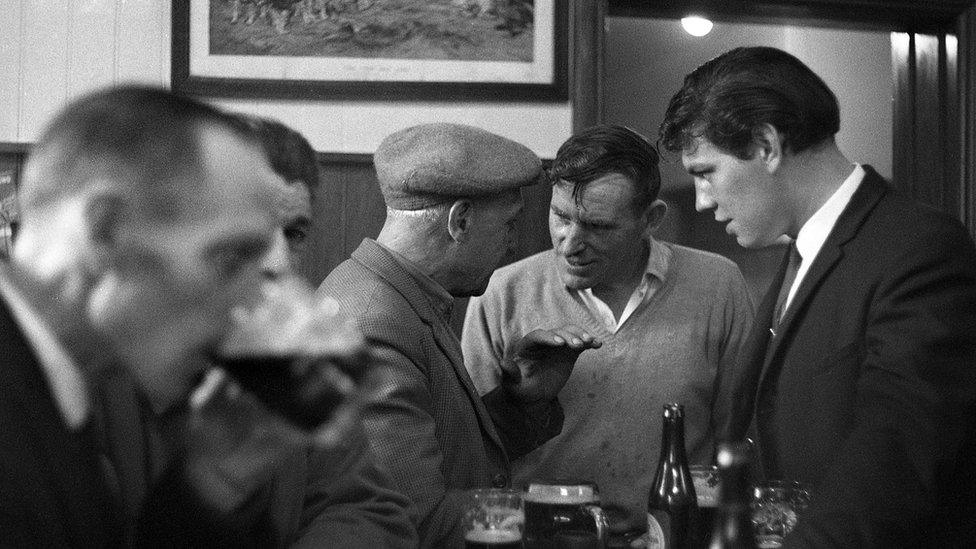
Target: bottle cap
[[674, 410]]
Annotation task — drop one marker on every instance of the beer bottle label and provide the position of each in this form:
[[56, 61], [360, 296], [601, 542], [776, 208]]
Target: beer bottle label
[[658, 524]]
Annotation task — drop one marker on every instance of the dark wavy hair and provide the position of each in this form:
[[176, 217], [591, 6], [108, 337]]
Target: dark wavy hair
[[602, 150], [291, 155], [728, 99]]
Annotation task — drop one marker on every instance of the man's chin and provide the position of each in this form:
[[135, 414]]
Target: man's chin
[[575, 282]]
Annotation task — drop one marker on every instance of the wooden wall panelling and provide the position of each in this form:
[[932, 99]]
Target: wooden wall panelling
[[928, 104], [10, 40], [348, 207], [44, 64], [903, 81], [91, 39], [926, 123], [952, 185], [142, 41], [966, 31], [533, 222]]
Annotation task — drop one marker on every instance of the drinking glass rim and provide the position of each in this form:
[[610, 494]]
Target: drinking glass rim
[[781, 484]]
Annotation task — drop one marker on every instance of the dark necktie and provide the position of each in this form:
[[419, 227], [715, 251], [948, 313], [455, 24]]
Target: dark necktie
[[791, 269]]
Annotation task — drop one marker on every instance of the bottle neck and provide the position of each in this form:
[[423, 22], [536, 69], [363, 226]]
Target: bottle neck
[[673, 440]]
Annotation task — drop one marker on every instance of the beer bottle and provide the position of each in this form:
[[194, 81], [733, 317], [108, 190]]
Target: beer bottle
[[671, 503], [733, 525]]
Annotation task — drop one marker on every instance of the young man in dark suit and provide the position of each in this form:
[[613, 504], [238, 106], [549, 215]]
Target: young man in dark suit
[[859, 374]]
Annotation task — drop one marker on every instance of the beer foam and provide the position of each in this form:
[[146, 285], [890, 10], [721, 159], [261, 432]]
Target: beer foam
[[290, 320], [492, 535], [558, 499], [547, 493]]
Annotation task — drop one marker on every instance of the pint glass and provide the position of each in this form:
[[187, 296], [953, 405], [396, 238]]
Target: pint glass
[[563, 514], [493, 519]]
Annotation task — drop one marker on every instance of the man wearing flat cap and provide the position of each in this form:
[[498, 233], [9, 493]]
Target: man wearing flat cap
[[452, 194]]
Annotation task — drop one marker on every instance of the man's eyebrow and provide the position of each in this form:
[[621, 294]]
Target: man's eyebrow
[[698, 169]]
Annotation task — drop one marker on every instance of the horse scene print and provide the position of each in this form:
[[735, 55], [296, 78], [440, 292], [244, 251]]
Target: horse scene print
[[461, 30]]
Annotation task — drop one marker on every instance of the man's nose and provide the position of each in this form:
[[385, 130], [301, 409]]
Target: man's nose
[[572, 239], [275, 262], [703, 200]]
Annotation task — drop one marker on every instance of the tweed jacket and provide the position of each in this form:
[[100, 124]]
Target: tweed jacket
[[424, 418], [866, 389]]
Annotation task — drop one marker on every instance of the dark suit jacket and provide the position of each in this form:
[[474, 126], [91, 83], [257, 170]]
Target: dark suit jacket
[[94, 488], [424, 418], [51, 489], [867, 389]]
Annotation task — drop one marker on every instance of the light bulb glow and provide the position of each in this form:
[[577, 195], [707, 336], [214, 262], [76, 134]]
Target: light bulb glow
[[696, 26]]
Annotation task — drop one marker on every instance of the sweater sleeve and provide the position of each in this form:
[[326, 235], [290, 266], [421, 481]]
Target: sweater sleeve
[[482, 345], [736, 314]]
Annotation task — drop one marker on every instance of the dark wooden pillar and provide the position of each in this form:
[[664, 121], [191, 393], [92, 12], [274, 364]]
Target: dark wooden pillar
[[586, 62], [966, 31]]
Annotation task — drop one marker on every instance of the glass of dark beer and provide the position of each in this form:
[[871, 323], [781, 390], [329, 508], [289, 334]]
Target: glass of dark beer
[[306, 390], [493, 519], [294, 353], [563, 514]]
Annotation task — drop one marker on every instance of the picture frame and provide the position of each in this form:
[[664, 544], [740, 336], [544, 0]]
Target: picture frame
[[490, 50]]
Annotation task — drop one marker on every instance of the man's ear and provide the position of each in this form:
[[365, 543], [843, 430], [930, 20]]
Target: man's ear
[[459, 219], [768, 145], [654, 214]]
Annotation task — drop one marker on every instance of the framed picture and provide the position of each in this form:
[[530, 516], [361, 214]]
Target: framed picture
[[371, 49], [9, 213]]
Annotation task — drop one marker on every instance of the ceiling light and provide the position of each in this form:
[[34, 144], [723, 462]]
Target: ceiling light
[[696, 26]]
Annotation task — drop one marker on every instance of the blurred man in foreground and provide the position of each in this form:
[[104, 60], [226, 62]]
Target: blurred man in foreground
[[144, 220], [452, 194], [332, 495], [858, 373], [671, 319]]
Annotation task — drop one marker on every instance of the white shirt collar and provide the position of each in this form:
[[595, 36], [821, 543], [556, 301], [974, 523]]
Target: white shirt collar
[[63, 376], [814, 232], [658, 260]]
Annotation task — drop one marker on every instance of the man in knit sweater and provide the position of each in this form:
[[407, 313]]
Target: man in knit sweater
[[670, 318]]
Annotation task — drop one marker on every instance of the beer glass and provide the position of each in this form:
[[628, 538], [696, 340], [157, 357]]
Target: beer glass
[[706, 480], [776, 507], [493, 519], [294, 353], [563, 515]]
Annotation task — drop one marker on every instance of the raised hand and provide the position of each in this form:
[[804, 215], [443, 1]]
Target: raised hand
[[537, 366]]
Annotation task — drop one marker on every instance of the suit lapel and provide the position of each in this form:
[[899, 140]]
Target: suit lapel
[[59, 464], [868, 194], [373, 257]]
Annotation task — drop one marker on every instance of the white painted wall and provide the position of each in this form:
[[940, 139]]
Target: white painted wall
[[647, 60], [53, 50]]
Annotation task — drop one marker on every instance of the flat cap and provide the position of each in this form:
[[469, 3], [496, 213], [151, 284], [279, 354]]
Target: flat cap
[[428, 164]]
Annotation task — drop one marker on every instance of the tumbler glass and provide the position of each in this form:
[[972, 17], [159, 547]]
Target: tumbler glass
[[776, 507], [493, 519]]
